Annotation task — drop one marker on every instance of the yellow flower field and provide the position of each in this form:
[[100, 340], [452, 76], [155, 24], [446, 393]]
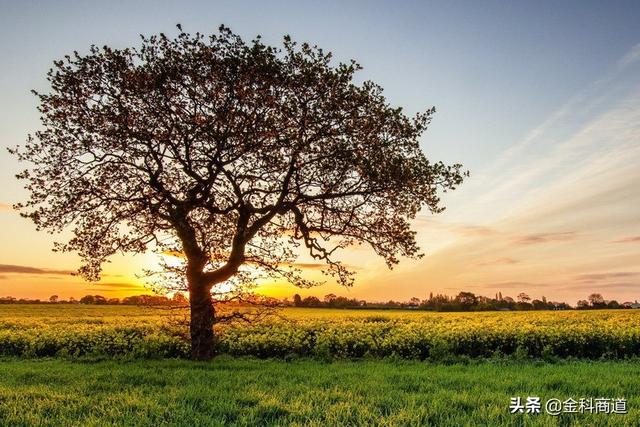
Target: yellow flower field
[[124, 331]]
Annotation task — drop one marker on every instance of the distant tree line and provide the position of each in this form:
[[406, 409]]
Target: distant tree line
[[464, 301], [177, 299]]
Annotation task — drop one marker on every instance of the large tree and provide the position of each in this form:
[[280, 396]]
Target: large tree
[[234, 156]]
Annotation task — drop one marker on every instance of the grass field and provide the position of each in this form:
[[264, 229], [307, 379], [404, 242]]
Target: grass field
[[74, 365], [256, 392]]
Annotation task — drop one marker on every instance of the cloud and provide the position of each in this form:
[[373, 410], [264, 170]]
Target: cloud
[[623, 285], [529, 239], [498, 261], [605, 286], [4, 207], [467, 230], [515, 285], [594, 277], [23, 269], [317, 266], [630, 239], [122, 285], [310, 265], [630, 57], [473, 230]]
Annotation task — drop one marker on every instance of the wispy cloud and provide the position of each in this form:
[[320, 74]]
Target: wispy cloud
[[515, 284], [117, 285], [589, 131], [318, 266], [601, 287], [621, 285], [463, 229], [630, 239], [630, 57], [498, 261], [535, 238], [24, 269], [594, 277], [472, 230], [310, 265], [4, 207]]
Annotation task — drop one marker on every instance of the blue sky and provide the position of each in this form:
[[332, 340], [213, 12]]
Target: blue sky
[[513, 83], [493, 70]]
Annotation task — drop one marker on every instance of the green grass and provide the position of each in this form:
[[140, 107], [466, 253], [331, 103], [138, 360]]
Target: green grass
[[302, 392]]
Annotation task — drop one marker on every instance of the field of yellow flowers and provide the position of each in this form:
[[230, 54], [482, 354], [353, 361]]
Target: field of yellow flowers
[[137, 332]]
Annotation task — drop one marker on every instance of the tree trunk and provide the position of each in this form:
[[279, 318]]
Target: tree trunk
[[201, 328]]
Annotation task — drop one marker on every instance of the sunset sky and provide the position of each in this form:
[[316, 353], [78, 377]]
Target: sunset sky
[[540, 101]]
